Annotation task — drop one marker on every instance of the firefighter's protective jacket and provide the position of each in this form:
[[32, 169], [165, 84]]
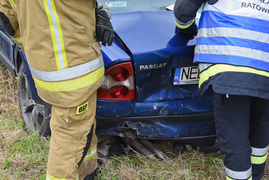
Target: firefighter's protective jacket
[[232, 37], [66, 74]]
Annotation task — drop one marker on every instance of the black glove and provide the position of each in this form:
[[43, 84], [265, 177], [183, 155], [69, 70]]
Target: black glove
[[192, 30], [104, 28], [211, 2]]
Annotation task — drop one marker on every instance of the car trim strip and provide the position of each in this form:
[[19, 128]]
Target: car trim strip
[[6, 37], [56, 34], [72, 84], [69, 73], [186, 117]]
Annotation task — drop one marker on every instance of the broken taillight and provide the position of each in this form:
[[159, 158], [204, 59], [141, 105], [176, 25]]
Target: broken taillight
[[118, 84]]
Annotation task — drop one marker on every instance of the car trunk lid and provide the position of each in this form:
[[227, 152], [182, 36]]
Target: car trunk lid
[[157, 50]]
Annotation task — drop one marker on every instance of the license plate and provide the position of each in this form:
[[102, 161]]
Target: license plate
[[186, 75]]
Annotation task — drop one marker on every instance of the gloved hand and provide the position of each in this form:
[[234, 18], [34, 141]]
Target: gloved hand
[[211, 2], [104, 28]]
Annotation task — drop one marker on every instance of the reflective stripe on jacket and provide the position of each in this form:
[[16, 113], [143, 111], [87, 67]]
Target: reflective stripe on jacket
[[63, 55], [235, 36]]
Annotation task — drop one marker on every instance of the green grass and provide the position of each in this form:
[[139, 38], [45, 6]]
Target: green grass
[[23, 155], [189, 165]]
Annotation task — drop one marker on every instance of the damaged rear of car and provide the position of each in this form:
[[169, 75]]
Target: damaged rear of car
[[151, 86]]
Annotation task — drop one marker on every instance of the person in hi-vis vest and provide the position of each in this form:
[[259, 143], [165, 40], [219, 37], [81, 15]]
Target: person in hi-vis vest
[[59, 40], [232, 52]]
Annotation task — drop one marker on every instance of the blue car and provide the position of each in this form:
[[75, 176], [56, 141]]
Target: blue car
[[150, 89]]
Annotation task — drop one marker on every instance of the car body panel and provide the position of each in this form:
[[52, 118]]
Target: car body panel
[[147, 31], [7, 49]]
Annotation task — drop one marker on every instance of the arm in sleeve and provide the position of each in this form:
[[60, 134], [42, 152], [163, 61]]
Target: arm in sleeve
[[9, 18], [7, 24], [185, 13]]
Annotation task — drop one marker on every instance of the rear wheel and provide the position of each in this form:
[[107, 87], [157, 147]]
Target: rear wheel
[[35, 115]]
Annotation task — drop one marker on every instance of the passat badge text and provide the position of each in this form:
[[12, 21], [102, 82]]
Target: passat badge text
[[152, 66]]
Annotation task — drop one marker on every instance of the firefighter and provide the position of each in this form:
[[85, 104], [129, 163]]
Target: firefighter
[[58, 38], [232, 53]]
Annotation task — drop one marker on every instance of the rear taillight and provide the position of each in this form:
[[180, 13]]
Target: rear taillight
[[118, 83]]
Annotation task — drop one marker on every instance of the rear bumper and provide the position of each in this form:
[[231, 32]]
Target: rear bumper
[[187, 128]]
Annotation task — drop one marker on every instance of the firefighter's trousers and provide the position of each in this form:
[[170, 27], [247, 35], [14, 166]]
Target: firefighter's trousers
[[242, 124], [73, 151]]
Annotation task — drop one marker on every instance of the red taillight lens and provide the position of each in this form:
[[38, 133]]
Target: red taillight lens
[[118, 84], [119, 73], [118, 91]]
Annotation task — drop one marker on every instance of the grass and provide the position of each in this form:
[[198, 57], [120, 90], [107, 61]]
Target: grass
[[23, 156], [189, 165]]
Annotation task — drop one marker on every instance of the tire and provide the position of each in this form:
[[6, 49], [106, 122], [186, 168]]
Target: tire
[[35, 115]]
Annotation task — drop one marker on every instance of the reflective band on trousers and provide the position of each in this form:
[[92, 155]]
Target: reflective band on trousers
[[182, 25], [13, 5], [232, 51], [17, 40], [235, 33], [72, 84], [56, 34], [219, 68], [227, 178], [258, 155], [50, 177], [238, 174], [69, 73], [91, 153]]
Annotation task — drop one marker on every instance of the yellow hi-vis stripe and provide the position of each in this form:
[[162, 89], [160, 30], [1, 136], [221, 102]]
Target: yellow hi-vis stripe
[[18, 40], [72, 84], [258, 160], [56, 34], [13, 5], [91, 153], [50, 177], [227, 178], [219, 68], [185, 26]]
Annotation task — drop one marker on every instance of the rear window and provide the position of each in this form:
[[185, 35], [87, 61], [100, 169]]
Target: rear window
[[136, 5]]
